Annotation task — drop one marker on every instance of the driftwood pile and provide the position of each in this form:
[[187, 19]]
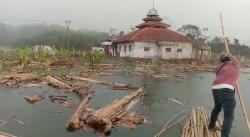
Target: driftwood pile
[[197, 125], [18, 79], [105, 118]]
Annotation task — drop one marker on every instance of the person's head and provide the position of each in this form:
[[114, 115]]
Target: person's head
[[224, 58]]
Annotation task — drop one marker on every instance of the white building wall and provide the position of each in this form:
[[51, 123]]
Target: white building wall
[[186, 50], [137, 50], [159, 49]]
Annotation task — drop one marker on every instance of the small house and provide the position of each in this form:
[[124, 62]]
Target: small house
[[47, 48], [99, 49]]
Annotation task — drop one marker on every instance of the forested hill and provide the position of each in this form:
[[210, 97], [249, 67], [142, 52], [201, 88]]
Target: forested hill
[[42, 34]]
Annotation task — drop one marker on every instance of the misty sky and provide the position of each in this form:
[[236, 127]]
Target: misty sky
[[122, 14]]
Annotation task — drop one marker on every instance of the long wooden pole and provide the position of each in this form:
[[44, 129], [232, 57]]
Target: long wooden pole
[[237, 85]]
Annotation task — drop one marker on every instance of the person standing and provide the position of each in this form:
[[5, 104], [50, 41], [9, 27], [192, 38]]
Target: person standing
[[223, 89]]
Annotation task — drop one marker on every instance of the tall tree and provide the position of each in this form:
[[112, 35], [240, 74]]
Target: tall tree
[[190, 30], [196, 34]]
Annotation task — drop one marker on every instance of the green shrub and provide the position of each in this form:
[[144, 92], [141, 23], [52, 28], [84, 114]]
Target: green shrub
[[63, 54], [129, 65], [25, 56], [41, 56], [94, 58], [47, 63]]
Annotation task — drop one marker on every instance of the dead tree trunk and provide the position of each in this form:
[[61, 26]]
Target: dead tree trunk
[[89, 80], [115, 86], [75, 122], [57, 83], [81, 91]]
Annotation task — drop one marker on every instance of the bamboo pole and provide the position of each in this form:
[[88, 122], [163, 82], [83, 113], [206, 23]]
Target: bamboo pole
[[237, 85], [164, 128]]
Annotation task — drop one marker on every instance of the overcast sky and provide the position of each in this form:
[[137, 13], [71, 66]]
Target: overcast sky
[[122, 14]]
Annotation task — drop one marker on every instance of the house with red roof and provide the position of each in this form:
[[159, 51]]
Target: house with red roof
[[154, 38]]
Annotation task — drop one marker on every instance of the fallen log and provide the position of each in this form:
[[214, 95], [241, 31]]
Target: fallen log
[[89, 80], [115, 86], [2, 134], [81, 91], [57, 83], [64, 103], [130, 121], [121, 86], [160, 76], [101, 119], [75, 122]]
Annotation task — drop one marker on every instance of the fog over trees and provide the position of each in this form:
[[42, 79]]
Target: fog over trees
[[42, 34]]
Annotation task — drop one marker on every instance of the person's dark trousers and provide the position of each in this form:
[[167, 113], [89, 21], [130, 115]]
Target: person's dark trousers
[[223, 98]]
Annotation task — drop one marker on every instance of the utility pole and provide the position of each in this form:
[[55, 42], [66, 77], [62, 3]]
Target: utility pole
[[67, 22]]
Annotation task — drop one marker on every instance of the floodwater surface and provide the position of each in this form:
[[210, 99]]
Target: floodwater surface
[[194, 89]]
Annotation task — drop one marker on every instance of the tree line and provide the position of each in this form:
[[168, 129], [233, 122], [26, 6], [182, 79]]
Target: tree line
[[42, 34], [197, 34]]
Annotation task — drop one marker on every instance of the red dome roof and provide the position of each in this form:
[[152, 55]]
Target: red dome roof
[[153, 30], [153, 24], [151, 34]]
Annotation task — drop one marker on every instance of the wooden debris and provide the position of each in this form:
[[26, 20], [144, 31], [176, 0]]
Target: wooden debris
[[81, 91], [57, 83], [101, 119], [75, 122], [115, 86], [89, 80], [6, 121], [128, 121], [178, 101], [18, 121], [15, 80], [107, 65], [121, 86], [63, 102], [20, 76], [167, 124], [11, 117], [2, 134], [197, 125], [105, 118], [33, 99], [180, 76], [29, 85], [160, 76]]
